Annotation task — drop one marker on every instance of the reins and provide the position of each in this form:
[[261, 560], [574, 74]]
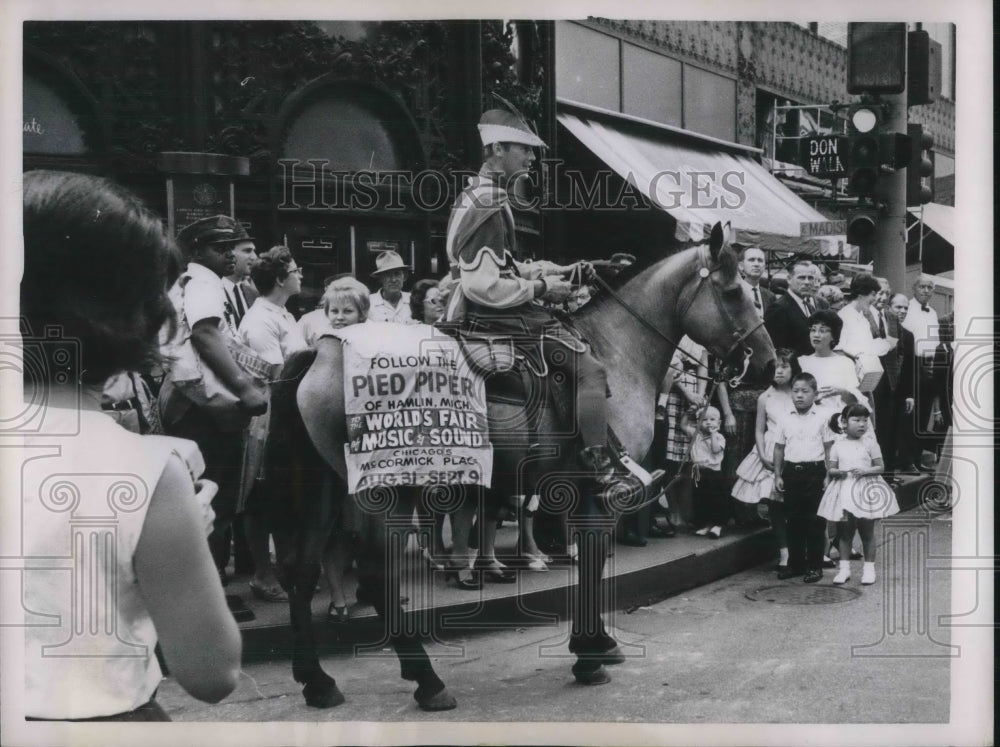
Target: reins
[[704, 272]]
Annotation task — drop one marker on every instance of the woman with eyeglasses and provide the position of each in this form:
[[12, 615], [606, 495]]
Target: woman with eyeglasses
[[271, 330], [425, 302]]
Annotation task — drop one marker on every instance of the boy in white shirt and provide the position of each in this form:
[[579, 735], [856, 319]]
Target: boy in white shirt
[[803, 441]]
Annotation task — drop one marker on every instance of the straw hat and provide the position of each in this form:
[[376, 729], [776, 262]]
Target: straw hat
[[387, 261]]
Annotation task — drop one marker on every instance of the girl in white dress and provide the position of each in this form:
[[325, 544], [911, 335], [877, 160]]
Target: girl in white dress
[[755, 474], [856, 496]]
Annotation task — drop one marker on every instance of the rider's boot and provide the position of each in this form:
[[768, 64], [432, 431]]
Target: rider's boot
[[620, 486]]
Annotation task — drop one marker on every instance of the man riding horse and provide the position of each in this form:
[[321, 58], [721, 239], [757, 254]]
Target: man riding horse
[[497, 294]]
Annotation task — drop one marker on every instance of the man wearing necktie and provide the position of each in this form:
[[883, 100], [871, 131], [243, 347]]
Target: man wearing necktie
[[743, 400], [752, 266], [786, 318], [888, 405], [922, 321], [240, 293]]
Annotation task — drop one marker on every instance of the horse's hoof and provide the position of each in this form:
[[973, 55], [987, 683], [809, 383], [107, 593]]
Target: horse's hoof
[[442, 700], [322, 694], [591, 676], [613, 655]]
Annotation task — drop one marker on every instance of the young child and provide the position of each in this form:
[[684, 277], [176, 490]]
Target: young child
[[755, 475], [856, 494], [711, 499], [801, 446]]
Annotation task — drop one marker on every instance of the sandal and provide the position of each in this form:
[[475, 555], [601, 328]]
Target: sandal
[[433, 563], [337, 613], [498, 573], [538, 563], [273, 593], [465, 578]]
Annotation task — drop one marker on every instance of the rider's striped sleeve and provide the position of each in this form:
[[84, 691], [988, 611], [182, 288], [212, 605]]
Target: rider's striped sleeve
[[480, 235]]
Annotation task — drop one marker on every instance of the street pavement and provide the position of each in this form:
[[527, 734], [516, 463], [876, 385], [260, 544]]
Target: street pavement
[[721, 653]]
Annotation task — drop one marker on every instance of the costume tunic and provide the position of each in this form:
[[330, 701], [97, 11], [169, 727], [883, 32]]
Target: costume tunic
[[866, 497], [496, 290]]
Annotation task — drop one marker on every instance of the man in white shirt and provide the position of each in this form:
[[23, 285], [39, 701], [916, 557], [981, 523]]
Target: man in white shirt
[[239, 291], [200, 296], [922, 321], [390, 304]]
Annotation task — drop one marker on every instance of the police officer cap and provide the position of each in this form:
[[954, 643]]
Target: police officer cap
[[218, 229]]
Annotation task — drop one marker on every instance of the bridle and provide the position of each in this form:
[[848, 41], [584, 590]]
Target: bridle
[[740, 334]]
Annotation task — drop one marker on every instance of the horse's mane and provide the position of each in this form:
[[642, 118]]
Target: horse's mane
[[727, 263]]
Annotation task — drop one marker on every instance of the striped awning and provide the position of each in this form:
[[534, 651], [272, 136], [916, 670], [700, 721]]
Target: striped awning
[[698, 181]]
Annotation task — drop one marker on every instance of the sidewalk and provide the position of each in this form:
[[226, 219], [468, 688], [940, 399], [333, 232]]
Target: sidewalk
[[642, 576]]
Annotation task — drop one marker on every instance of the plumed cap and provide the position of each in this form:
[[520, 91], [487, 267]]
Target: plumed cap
[[500, 126]]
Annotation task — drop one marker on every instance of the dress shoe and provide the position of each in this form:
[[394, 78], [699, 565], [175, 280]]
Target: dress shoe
[[632, 540], [813, 576], [662, 532], [786, 571], [238, 609]]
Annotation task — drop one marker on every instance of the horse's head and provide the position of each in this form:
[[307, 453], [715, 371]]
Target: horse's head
[[717, 312]]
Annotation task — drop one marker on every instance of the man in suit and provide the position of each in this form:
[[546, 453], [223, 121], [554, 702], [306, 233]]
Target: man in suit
[[752, 265], [903, 401], [743, 400], [922, 321], [786, 319], [884, 324]]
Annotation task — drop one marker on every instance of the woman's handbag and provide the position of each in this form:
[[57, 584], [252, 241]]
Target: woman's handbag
[[189, 376], [869, 371]]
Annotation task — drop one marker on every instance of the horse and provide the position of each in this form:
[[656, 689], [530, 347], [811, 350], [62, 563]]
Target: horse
[[633, 330]]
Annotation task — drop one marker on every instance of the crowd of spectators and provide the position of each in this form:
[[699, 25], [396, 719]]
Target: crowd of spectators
[[866, 366]]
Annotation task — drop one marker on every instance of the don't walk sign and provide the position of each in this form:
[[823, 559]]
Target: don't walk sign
[[824, 155]]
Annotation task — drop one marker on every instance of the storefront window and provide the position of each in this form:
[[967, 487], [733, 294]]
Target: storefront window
[[50, 126], [587, 67], [709, 103], [344, 135], [652, 85]]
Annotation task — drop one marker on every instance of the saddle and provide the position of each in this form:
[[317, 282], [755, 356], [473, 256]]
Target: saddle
[[513, 368]]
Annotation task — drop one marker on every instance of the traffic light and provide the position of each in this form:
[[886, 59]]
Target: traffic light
[[920, 172], [864, 154], [876, 57], [861, 223], [871, 153]]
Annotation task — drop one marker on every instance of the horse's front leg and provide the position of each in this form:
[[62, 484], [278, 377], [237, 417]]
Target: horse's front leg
[[379, 570], [589, 639]]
